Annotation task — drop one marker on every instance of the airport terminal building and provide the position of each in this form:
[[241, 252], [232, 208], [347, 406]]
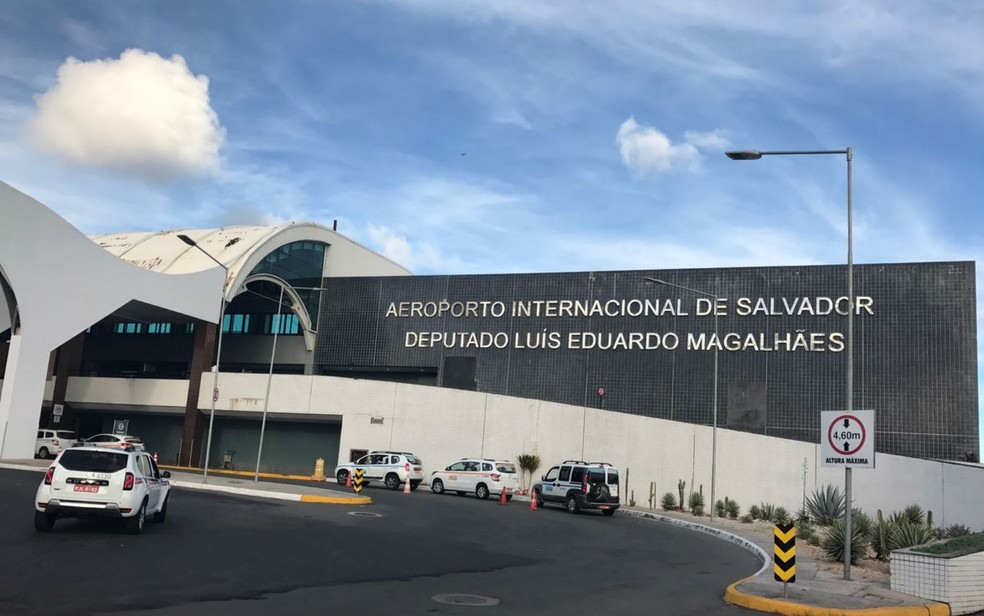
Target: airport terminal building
[[301, 299]]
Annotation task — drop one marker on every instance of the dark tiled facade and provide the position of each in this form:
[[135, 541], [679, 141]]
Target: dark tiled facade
[[915, 344]]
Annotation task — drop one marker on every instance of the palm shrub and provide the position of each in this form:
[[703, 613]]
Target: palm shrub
[[668, 502], [732, 509], [719, 508], [528, 463], [755, 512], [696, 503], [780, 515], [825, 505], [914, 513], [832, 543]]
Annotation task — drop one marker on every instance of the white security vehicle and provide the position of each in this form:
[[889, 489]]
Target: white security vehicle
[[114, 440], [477, 476], [578, 485], [393, 468], [50, 442], [102, 482]]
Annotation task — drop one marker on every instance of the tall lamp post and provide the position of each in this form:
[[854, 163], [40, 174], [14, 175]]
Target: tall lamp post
[[714, 404], [755, 155], [218, 352]]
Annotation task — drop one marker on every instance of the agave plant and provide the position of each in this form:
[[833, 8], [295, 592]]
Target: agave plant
[[906, 535], [755, 512], [781, 516], [668, 502], [915, 514], [956, 530], [861, 521], [832, 543], [696, 503], [768, 511], [825, 505], [732, 509]]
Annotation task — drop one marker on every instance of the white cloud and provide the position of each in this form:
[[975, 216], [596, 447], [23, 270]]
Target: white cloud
[[647, 151], [716, 140], [141, 114], [398, 248]]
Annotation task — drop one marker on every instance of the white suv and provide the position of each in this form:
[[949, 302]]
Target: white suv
[[393, 468], [50, 442], [477, 476], [579, 485], [102, 482]]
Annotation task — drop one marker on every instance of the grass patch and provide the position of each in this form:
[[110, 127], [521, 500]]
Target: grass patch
[[958, 546]]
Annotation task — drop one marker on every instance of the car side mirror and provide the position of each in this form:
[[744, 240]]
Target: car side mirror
[[166, 474]]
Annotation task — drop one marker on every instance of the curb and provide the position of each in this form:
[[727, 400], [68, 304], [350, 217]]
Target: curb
[[219, 471], [23, 467], [773, 606]]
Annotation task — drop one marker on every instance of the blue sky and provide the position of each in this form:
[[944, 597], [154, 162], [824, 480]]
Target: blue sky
[[508, 135]]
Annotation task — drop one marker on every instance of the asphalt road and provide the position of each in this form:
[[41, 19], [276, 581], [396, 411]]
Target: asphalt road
[[223, 555]]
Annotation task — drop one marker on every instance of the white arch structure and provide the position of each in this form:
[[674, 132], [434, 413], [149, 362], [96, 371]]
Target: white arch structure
[[59, 282]]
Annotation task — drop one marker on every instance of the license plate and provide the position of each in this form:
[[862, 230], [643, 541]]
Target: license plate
[[84, 487]]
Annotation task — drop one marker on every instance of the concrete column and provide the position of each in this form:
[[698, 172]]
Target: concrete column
[[202, 357], [23, 389]]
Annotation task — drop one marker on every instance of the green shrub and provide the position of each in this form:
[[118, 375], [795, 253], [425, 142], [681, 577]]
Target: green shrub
[[880, 535], [805, 531], [781, 516], [955, 530], [668, 502], [832, 543], [825, 505], [861, 521], [732, 509], [755, 512], [961, 544], [747, 519], [719, 508], [696, 503]]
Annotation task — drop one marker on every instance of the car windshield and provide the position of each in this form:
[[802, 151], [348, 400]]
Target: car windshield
[[505, 468], [68, 434], [93, 461], [412, 459]]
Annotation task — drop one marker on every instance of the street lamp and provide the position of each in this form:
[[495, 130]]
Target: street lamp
[[755, 155], [218, 352], [714, 404]]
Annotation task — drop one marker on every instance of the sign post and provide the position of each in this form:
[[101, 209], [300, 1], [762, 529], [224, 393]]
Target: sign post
[[847, 440]]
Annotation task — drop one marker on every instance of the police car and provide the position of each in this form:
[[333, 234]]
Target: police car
[[102, 482], [579, 485], [393, 468], [477, 476]]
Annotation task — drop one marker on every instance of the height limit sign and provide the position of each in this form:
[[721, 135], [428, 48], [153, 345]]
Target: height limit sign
[[847, 439]]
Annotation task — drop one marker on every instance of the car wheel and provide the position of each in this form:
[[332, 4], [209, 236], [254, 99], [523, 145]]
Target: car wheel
[[43, 521], [414, 485], [437, 486], [392, 481], [509, 497], [161, 515], [609, 512], [482, 491], [572, 506], [341, 477], [43, 453], [135, 525], [538, 497]]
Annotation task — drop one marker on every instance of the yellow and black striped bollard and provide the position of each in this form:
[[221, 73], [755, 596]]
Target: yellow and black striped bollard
[[357, 480], [784, 554]]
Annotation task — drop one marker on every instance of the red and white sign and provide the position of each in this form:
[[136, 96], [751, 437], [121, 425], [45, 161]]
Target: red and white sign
[[847, 439]]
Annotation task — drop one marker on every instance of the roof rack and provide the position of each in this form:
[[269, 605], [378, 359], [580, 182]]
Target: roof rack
[[573, 462]]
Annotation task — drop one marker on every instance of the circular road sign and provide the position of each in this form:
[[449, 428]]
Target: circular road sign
[[846, 435]]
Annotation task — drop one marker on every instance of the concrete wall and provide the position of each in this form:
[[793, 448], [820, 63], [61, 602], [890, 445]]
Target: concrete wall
[[442, 425]]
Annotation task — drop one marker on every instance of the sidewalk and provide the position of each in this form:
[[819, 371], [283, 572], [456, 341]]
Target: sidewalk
[[815, 592], [239, 482]]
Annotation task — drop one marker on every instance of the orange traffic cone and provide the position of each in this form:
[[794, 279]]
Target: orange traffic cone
[[502, 497], [348, 480], [532, 500], [406, 487]]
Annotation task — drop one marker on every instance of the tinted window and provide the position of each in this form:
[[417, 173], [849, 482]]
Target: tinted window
[[93, 461], [505, 468], [551, 474], [577, 475], [565, 473], [66, 434], [413, 459], [613, 476], [457, 466], [486, 466], [41, 434]]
